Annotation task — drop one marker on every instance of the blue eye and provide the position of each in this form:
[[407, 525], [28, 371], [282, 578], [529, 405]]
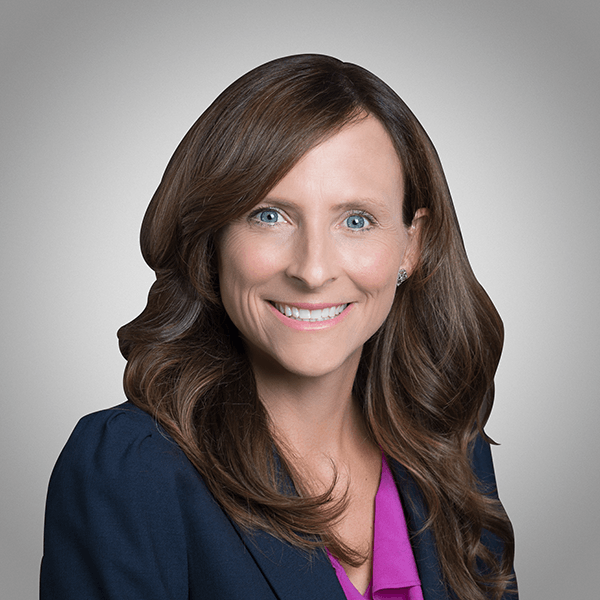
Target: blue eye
[[357, 222], [268, 216]]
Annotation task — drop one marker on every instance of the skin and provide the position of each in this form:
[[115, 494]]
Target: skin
[[330, 233]]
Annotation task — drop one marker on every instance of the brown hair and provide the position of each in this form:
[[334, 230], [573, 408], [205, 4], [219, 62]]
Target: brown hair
[[426, 377]]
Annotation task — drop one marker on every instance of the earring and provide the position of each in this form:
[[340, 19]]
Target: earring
[[402, 277]]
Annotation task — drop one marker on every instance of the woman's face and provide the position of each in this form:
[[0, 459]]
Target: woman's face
[[309, 274]]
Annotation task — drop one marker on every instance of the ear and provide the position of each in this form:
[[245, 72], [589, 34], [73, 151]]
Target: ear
[[412, 252]]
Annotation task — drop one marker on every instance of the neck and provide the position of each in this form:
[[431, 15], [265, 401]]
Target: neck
[[312, 416]]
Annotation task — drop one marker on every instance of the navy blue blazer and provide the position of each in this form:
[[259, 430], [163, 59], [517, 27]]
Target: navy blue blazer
[[129, 517]]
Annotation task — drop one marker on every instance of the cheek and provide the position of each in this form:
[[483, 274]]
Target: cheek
[[376, 268], [244, 263]]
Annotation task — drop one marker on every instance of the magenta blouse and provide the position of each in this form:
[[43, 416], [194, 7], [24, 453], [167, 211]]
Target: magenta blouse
[[395, 575]]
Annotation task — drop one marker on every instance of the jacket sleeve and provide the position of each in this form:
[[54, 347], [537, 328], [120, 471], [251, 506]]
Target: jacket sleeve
[[113, 527]]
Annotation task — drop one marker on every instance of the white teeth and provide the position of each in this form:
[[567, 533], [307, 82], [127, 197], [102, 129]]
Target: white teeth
[[303, 314]]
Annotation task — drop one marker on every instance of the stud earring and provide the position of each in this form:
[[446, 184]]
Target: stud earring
[[402, 277]]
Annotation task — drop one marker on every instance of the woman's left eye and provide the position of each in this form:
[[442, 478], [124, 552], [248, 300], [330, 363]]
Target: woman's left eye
[[357, 222]]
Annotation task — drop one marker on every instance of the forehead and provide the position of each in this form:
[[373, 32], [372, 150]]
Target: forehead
[[357, 162]]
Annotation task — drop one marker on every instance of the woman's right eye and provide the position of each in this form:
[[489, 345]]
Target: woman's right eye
[[267, 215]]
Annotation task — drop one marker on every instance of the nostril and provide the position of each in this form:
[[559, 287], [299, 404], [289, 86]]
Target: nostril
[[313, 269]]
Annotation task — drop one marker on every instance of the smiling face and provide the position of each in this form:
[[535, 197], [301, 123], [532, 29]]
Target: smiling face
[[309, 274]]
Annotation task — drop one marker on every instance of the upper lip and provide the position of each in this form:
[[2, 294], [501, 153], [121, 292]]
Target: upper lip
[[309, 305]]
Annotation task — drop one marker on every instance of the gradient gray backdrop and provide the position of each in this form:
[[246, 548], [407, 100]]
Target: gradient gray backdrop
[[96, 95]]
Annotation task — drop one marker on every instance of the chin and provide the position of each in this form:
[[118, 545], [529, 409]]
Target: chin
[[317, 364], [311, 371]]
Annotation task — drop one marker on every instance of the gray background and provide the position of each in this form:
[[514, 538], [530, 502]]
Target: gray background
[[96, 95]]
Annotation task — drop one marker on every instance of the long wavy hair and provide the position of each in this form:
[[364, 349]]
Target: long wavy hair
[[425, 379]]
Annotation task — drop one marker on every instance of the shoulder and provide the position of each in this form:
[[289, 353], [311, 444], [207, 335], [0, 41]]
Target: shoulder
[[483, 466], [125, 421], [117, 511], [121, 457], [119, 442]]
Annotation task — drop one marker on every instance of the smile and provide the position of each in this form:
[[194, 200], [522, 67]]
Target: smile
[[309, 316]]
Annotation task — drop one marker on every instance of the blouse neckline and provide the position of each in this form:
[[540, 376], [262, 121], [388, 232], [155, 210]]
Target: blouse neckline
[[395, 575]]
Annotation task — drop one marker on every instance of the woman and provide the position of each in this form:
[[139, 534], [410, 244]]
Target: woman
[[309, 381]]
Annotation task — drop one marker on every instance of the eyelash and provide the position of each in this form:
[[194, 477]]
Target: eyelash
[[253, 216]]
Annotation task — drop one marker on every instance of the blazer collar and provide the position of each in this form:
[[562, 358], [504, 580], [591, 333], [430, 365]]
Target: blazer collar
[[295, 575]]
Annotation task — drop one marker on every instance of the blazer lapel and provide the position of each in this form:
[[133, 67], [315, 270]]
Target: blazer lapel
[[292, 573], [422, 541], [296, 575]]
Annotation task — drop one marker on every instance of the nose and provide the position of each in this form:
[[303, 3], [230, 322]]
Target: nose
[[314, 259]]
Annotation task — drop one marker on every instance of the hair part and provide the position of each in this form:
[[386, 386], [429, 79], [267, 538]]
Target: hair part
[[425, 379]]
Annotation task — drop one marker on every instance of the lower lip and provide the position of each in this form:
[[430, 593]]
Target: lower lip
[[311, 325]]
